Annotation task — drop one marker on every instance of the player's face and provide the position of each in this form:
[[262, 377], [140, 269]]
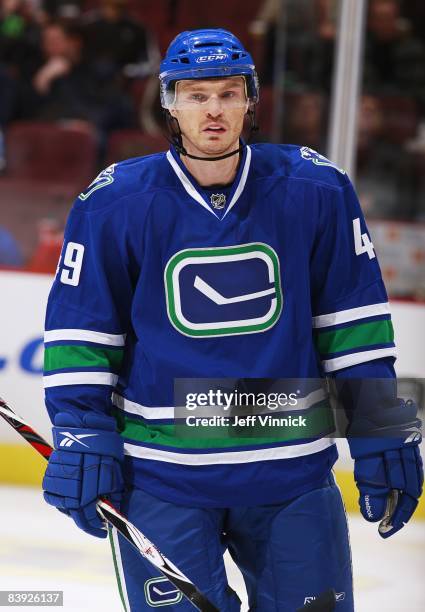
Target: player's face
[[210, 114]]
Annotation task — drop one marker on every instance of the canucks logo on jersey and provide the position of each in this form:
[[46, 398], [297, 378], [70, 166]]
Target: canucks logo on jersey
[[317, 159], [161, 592], [102, 180], [224, 291]]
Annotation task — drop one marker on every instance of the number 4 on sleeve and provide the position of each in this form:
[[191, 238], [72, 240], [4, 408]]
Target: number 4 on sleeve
[[362, 242]]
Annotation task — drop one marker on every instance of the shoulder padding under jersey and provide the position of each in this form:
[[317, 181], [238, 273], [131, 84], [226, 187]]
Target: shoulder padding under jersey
[[123, 180], [299, 162]]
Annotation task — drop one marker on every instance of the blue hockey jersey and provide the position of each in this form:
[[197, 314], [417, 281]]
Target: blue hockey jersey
[[160, 279]]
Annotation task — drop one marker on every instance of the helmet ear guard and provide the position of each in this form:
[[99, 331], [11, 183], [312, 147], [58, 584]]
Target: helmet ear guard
[[252, 114]]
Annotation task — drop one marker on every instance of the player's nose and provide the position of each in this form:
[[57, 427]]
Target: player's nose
[[214, 107]]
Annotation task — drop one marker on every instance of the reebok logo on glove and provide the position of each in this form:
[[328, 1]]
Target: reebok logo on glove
[[71, 438], [367, 506]]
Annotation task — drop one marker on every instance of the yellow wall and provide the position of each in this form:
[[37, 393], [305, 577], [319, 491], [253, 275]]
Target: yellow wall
[[21, 464]]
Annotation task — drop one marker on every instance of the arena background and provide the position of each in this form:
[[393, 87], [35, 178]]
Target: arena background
[[78, 91]]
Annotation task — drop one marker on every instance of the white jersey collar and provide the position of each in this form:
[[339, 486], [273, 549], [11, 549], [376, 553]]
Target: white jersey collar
[[188, 182]]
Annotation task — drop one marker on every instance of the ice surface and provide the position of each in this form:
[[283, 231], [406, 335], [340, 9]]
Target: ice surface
[[42, 549]]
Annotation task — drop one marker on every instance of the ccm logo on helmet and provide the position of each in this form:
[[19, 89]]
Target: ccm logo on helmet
[[210, 58]]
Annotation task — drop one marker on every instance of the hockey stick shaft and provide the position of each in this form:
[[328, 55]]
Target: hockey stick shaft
[[108, 512]]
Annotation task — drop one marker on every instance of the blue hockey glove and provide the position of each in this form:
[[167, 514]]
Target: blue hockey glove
[[388, 471], [85, 466]]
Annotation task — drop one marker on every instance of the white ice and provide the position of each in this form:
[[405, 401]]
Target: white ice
[[41, 549]]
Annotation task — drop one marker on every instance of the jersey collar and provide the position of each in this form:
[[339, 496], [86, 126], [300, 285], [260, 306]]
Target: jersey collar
[[196, 192]]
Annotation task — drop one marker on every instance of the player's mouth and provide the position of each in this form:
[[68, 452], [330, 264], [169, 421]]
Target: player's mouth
[[214, 128]]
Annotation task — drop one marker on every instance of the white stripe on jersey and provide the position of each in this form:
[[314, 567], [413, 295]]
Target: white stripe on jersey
[[84, 335], [228, 457], [80, 378], [147, 412], [352, 314], [330, 365], [242, 182]]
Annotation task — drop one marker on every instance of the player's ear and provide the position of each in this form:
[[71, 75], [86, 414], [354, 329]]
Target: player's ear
[[173, 112]]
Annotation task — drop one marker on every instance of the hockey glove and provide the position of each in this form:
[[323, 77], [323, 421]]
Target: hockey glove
[[85, 465], [388, 470]]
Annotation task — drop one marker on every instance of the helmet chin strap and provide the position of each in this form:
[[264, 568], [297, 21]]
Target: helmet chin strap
[[182, 151], [177, 141]]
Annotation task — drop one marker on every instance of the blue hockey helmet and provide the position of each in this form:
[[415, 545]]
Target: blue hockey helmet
[[206, 54]]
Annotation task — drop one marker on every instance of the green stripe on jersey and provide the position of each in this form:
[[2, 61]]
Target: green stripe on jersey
[[319, 421], [355, 336], [77, 356]]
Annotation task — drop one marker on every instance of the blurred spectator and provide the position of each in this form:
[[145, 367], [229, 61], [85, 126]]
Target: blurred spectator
[[310, 27], [19, 49], [63, 9], [65, 86], [10, 254], [62, 46], [394, 57], [304, 119], [19, 37], [47, 252], [122, 49], [116, 43], [415, 13], [385, 176], [390, 151], [8, 88]]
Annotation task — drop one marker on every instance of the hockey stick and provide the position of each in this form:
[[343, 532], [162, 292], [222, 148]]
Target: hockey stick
[[107, 511]]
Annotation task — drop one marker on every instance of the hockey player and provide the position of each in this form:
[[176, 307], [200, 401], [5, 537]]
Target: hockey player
[[218, 259]]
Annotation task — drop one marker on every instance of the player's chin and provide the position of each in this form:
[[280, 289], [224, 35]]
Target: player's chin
[[214, 145]]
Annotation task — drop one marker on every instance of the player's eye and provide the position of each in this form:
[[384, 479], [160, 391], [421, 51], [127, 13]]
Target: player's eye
[[197, 97], [229, 94]]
